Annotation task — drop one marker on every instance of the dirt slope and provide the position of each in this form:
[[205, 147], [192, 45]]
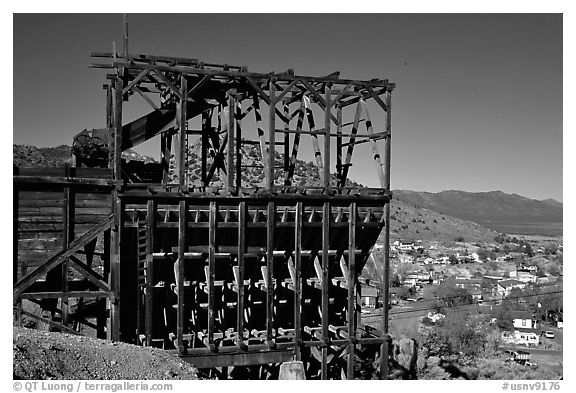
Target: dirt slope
[[48, 355]]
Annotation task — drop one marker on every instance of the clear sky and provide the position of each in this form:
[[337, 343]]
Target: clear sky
[[478, 104]]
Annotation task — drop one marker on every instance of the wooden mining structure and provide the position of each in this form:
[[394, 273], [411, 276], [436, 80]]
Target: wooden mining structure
[[234, 278]]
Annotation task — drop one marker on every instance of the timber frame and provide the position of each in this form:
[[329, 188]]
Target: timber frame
[[222, 272]]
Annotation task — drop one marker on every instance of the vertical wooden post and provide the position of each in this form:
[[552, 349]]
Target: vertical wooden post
[[298, 282], [351, 315], [182, 224], [115, 327], [384, 367], [206, 129], [238, 118], [118, 99], [286, 136], [211, 271], [125, 37], [166, 152], [183, 136], [325, 285], [270, 273], [261, 136], [327, 113], [231, 139], [149, 283], [109, 124], [295, 145], [339, 145], [388, 98], [314, 136], [271, 133], [68, 236], [240, 283]]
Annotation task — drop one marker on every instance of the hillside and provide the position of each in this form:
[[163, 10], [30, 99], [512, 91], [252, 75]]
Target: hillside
[[495, 209], [49, 355], [409, 222], [32, 156]]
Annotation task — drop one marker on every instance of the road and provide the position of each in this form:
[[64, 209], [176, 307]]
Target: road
[[404, 317]]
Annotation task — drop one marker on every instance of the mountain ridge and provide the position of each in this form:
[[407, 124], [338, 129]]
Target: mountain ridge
[[494, 209]]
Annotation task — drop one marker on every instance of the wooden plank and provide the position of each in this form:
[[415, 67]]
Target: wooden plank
[[271, 135], [238, 158], [298, 281], [72, 181], [338, 145], [286, 138], [211, 271], [326, 213], [235, 73], [182, 218], [25, 282], [327, 113], [350, 150], [295, 145], [161, 78], [384, 367], [239, 358], [206, 129], [135, 81], [315, 144], [261, 136], [67, 236], [270, 272], [375, 152], [198, 86], [58, 295], [241, 272], [88, 273], [350, 314], [149, 283], [284, 92], [115, 272], [231, 140], [110, 122], [166, 148], [182, 126], [319, 99]]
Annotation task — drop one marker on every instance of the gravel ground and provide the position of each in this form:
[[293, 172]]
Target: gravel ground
[[48, 355]]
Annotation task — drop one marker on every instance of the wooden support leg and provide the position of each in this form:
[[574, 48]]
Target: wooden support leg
[[211, 271], [270, 274], [351, 288], [298, 281], [241, 268]]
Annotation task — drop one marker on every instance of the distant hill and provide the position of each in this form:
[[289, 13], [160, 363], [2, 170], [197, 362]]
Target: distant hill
[[32, 156], [495, 209], [409, 222]]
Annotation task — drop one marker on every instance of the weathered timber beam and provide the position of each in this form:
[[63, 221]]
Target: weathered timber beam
[[135, 81], [258, 77], [89, 274], [25, 282], [67, 181]]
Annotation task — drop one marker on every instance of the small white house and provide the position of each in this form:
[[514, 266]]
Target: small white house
[[526, 337], [523, 320]]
